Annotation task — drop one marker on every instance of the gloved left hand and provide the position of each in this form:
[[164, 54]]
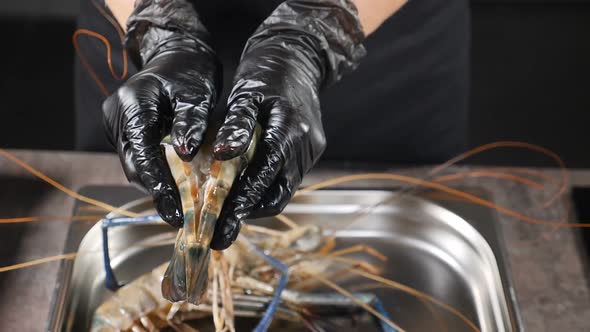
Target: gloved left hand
[[300, 48], [173, 93]]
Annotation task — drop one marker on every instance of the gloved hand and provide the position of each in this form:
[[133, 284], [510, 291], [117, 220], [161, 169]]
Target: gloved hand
[[172, 93], [301, 47]]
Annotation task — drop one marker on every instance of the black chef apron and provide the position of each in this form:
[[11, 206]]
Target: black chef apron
[[406, 103]]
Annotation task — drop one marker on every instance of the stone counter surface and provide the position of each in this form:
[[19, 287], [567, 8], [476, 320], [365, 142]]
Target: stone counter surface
[[549, 276]]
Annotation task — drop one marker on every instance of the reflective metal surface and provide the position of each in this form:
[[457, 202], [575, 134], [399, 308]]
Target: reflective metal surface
[[429, 248]]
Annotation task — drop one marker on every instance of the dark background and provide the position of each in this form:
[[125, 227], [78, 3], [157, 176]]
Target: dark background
[[530, 71]]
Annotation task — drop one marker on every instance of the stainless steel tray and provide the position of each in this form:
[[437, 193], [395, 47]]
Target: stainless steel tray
[[429, 247]]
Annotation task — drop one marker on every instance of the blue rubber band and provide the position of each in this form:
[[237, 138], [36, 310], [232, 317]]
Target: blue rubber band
[[110, 278], [378, 305], [268, 315]]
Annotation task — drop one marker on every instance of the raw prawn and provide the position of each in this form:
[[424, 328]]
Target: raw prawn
[[204, 184], [241, 282]]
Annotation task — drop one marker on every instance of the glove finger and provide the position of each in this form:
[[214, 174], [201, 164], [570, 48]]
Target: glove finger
[[189, 125], [111, 119], [285, 185], [247, 192], [236, 132], [277, 196], [111, 109], [126, 158], [144, 133], [297, 154]]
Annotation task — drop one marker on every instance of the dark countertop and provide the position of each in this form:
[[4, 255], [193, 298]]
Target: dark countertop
[[549, 276]]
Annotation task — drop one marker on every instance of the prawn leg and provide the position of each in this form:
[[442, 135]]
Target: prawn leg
[[322, 304], [359, 248], [274, 303]]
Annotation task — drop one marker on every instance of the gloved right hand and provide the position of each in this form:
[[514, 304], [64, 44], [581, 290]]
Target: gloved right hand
[[300, 48], [173, 93]]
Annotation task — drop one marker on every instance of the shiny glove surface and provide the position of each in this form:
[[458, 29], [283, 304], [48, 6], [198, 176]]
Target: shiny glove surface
[[301, 47], [173, 93]]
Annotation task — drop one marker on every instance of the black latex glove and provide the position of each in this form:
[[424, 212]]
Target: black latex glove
[[173, 93], [301, 47]]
